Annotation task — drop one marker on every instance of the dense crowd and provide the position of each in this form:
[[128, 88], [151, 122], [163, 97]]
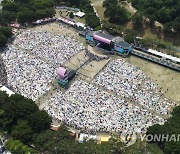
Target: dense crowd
[[32, 61], [86, 107], [130, 82], [30, 66], [54, 48], [121, 78], [3, 74], [27, 75]]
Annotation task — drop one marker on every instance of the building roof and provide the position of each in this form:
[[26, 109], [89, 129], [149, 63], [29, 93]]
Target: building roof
[[124, 44], [79, 24], [104, 35], [163, 55], [90, 33], [67, 21], [61, 72], [79, 14], [102, 39], [104, 138], [8, 91]]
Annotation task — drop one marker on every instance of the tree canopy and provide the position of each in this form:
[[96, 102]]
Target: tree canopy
[[164, 11], [115, 12], [26, 10], [5, 32], [21, 117]]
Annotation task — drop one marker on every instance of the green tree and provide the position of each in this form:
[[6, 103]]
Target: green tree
[[7, 31], [137, 20], [3, 40], [117, 14], [7, 17], [129, 35], [17, 147], [108, 3], [3, 98], [22, 131], [164, 15], [176, 24], [40, 121]]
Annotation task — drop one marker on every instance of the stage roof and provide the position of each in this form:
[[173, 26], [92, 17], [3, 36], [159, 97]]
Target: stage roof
[[104, 35], [61, 72], [124, 44]]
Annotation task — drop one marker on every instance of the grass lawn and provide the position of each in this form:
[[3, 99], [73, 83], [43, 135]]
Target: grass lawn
[[98, 4]]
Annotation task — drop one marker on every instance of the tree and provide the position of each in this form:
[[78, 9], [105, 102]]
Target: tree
[[44, 141], [7, 31], [117, 14], [137, 20], [71, 15], [176, 24], [24, 108], [22, 131], [3, 98], [108, 3], [17, 147], [3, 40], [53, 141], [164, 15], [168, 28], [92, 20], [129, 35], [40, 121], [7, 17]]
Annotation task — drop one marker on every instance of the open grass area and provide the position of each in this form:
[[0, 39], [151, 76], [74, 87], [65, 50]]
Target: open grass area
[[98, 5]]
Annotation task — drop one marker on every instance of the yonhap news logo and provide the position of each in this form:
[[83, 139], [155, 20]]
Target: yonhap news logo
[[130, 138]]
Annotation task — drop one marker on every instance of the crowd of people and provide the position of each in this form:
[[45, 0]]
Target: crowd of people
[[3, 74], [85, 107], [30, 63], [128, 81], [121, 78], [27, 75], [29, 66], [95, 57], [55, 48]]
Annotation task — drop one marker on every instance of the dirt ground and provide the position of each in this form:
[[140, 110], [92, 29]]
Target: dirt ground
[[61, 29], [87, 71]]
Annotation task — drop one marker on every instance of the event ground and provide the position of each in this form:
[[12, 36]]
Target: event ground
[[167, 80]]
